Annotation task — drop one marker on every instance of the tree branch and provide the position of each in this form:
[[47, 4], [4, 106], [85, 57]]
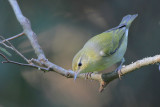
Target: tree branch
[[104, 79], [13, 37], [25, 23], [108, 77], [12, 47], [22, 64]]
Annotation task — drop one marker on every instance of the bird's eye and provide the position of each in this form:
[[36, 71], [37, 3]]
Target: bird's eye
[[79, 64]]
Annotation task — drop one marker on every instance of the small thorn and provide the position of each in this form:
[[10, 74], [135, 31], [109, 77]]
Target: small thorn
[[102, 86]]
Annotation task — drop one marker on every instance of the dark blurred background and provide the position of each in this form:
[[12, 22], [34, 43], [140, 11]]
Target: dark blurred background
[[63, 26]]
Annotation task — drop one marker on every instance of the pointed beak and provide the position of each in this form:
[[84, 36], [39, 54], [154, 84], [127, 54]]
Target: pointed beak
[[75, 75]]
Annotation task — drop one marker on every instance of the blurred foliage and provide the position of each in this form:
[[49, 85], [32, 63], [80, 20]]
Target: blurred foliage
[[5, 51], [63, 26]]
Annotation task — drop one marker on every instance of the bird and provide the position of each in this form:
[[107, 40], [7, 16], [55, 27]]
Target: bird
[[103, 50]]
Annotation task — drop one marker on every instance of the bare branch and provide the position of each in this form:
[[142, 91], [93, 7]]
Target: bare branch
[[25, 23], [22, 64], [140, 63], [4, 56], [13, 37], [108, 77], [13, 48]]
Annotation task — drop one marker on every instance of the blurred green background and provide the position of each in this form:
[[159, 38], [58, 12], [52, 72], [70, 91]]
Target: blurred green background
[[63, 26]]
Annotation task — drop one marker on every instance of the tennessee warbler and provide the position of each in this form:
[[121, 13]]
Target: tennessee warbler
[[103, 50]]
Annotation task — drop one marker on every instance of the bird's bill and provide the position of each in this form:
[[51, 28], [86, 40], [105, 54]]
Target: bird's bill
[[76, 74]]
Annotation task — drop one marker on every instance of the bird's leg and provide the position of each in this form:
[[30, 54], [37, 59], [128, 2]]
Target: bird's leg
[[87, 75], [120, 67]]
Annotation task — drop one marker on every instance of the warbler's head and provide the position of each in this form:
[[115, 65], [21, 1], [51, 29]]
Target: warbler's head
[[80, 63]]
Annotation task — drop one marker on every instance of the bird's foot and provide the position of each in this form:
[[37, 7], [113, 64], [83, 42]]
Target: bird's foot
[[88, 75], [118, 70], [120, 74]]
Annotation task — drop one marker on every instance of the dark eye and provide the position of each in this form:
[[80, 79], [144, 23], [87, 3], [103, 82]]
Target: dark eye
[[79, 64]]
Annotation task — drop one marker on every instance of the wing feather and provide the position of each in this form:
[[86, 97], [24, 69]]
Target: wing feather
[[108, 42]]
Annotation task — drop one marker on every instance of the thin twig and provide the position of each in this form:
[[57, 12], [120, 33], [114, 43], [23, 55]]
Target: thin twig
[[22, 64], [4, 56], [25, 23], [13, 48], [13, 37]]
